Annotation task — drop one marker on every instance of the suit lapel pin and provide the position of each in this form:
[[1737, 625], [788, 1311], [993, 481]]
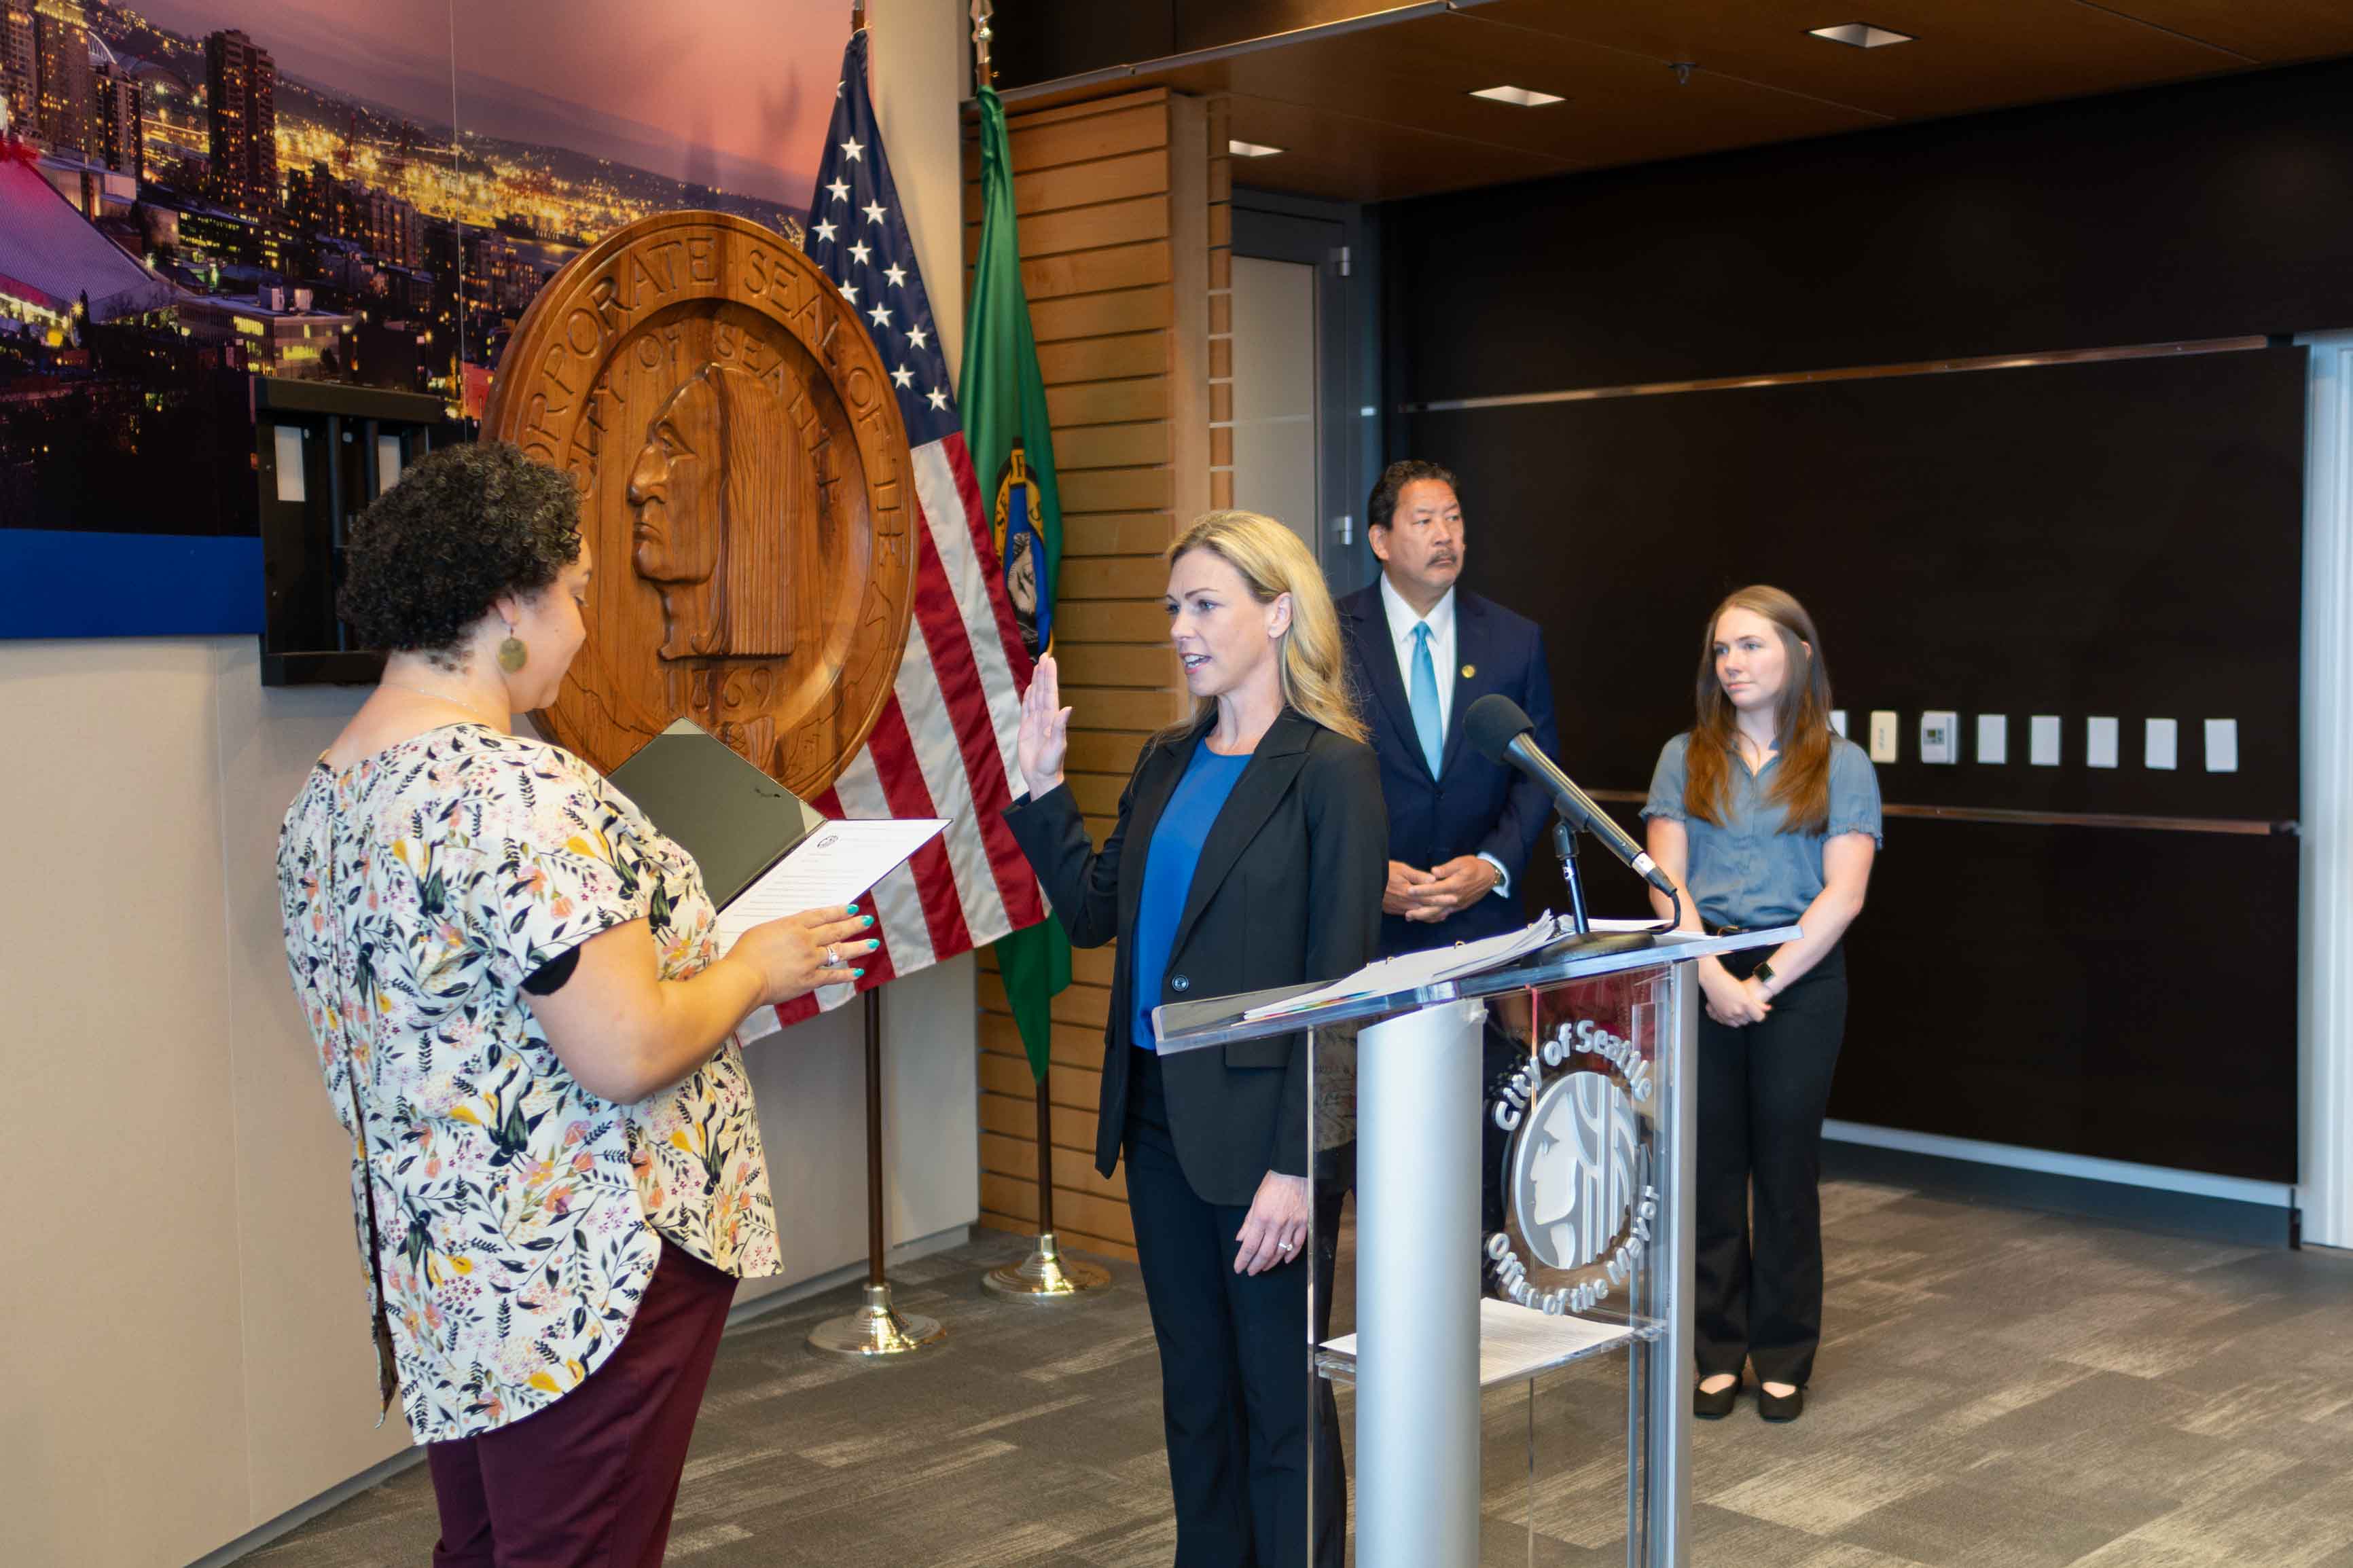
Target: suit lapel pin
[[1469, 670]]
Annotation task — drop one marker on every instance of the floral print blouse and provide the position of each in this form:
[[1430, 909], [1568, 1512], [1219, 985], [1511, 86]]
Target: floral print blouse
[[510, 1219]]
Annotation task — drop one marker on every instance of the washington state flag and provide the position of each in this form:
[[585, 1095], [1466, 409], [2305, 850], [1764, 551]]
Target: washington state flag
[[1004, 401]]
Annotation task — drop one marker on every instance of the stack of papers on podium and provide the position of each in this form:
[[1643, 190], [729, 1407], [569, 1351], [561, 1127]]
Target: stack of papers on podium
[[1412, 971], [1514, 1343]]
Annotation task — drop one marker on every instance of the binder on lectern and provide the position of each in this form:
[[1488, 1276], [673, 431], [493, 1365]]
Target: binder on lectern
[[764, 851]]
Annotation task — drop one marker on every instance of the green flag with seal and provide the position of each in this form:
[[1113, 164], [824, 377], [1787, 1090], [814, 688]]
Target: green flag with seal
[[1004, 401]]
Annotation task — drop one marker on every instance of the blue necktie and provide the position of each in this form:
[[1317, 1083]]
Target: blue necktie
[[1423, 698]]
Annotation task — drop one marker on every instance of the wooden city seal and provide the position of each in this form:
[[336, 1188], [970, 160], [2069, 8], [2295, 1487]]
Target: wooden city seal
[[745, 487]]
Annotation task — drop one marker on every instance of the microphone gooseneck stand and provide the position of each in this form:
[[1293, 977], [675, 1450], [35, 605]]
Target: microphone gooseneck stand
[[1583, 938], [1563, 844]]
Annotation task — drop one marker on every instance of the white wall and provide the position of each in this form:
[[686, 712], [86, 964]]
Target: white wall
[[920, 75], [2325, 1090], [184, 1354]]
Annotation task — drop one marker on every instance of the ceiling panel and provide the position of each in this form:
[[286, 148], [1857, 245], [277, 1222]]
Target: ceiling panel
[[1966, 54], [2276, 32], [1621, 105], [1349, 158], [1384, 111]]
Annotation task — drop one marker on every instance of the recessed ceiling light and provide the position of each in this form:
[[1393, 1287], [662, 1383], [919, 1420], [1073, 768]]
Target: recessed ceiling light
[[1861, 35], [1250, 150], [1519, 95]]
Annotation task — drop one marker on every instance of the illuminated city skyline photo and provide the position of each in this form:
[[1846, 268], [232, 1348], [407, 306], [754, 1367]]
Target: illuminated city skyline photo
[[194, 191]]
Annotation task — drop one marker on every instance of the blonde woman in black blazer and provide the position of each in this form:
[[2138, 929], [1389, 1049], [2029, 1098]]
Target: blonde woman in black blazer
[[1250, 851]]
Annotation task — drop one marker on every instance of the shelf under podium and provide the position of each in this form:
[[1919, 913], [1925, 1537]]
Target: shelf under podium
[[1515, 1343]]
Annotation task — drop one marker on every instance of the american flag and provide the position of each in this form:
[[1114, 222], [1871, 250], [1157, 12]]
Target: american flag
[[944, 746]]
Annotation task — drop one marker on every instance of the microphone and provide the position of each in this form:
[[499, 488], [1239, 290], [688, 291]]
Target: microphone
[[1502, 733]]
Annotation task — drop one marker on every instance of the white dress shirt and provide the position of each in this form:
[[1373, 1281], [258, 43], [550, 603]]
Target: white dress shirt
[[1441, 620]]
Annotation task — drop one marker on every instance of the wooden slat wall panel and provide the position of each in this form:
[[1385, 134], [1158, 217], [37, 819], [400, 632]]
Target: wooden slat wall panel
[[1086, 271], [1115, 534], [1135, 445], [1221, 320], [1074, 406], [1091, 184], [1096, 186], [1104, 359], [1151, 666], [1119, 576], [1093, 137]]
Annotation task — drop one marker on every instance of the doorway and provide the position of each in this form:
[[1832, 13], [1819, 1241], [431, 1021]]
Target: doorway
[[1305, 397]]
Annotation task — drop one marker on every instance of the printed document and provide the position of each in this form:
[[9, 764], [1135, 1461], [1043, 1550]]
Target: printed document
[[835, 864]]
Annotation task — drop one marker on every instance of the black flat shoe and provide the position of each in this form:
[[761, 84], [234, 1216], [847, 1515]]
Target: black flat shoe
[[1780, 1406], [1717, 1405]]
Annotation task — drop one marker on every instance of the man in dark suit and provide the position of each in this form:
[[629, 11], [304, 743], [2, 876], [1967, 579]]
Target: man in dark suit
[[1421, 650]]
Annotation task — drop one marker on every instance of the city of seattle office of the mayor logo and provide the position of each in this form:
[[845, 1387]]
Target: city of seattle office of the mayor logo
[[745, 482], [1579, 1198]]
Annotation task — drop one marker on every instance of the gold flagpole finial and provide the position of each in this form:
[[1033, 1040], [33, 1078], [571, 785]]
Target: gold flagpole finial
[[981, 10]]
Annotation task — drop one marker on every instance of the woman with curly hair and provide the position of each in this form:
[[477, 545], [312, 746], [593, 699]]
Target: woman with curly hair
[[527, 1029]]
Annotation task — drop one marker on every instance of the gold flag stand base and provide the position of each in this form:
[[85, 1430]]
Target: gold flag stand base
[[1046, 1276], [875, 1331]]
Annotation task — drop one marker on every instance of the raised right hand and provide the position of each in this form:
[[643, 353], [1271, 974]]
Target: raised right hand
[[788, 954], [1045, 729]]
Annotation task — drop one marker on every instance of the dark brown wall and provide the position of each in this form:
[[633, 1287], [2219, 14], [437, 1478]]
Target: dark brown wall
[[1039, 41], [2119, 539], [2176, 212]]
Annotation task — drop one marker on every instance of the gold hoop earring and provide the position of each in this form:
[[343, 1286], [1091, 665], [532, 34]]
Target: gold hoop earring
[[512, 655]]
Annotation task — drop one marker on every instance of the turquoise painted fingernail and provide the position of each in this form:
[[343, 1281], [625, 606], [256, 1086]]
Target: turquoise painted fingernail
[[875, 943], [858, 974], [869, 921], [853, 908]]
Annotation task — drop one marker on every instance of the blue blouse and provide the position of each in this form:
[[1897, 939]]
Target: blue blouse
[[1748, 872], [1168, 862]]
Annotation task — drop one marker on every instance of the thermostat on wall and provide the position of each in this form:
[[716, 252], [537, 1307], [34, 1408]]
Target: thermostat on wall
[[1940, 736]]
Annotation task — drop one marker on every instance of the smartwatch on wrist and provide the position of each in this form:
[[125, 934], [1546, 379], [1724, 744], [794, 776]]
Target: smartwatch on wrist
[[1763, 976]]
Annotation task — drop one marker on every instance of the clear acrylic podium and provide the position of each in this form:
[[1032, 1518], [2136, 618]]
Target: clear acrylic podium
[[1519, 1144]]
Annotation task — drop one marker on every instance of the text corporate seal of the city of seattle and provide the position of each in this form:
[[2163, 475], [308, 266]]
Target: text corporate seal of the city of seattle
[[744, 485]]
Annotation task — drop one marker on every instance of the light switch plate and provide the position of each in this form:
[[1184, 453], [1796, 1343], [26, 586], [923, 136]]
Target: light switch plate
[[2042, 740], [2222, 745], [1940, 736], [1883, 735], [2099, 742], [2161, 744], [1993, 738]]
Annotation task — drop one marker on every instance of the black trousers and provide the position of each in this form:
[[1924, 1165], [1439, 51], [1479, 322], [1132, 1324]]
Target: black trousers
[[1763, 1091], [1235, 1379]]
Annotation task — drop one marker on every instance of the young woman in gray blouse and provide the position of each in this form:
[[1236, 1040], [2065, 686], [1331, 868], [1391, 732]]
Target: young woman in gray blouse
[[1765, 816]]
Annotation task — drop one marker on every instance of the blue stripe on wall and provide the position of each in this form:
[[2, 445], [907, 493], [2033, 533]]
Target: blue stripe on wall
[[67, 584]]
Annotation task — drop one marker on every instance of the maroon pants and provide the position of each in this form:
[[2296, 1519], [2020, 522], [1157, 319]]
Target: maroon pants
[[589, 1481]]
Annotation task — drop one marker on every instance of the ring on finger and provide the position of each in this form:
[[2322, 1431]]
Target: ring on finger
[[832, 959]]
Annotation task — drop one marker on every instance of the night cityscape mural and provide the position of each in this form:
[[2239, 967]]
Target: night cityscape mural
[[315, 190]]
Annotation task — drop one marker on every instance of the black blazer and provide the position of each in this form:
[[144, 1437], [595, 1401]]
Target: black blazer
[[1287, 889], [1473, 806]]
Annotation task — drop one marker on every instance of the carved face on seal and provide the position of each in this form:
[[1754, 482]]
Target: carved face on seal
[[676, 486], [712, 490]]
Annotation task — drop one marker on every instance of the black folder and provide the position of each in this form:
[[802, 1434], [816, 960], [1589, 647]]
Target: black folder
[[736, 820]]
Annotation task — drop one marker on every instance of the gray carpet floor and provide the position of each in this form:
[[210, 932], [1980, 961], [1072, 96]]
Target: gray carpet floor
[[1997, 1387]]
